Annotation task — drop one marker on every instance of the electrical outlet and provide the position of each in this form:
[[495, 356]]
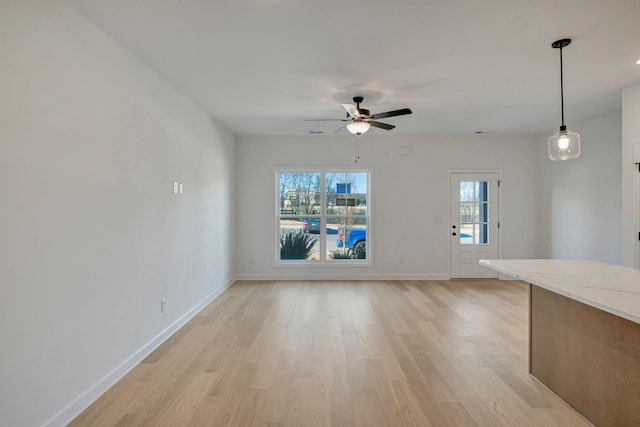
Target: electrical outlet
[[175, 188], [163, 305]]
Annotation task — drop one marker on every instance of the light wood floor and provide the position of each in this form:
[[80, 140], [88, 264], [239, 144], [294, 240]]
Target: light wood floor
[[342, 353]]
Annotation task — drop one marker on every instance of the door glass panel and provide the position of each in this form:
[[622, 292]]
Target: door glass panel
[[474, 212]]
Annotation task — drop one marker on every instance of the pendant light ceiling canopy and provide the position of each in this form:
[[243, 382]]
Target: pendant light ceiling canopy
[[565, 145]]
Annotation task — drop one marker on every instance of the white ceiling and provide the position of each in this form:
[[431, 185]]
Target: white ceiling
[[261, 67]]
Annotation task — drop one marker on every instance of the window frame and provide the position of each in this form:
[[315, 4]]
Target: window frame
[[323, 216]]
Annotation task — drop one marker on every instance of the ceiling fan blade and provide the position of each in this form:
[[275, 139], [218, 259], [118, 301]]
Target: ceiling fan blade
[[393, 113], [351, 110], [381, 125]]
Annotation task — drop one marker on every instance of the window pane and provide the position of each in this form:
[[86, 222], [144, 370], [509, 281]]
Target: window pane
[[474, 212], [483, 234], [350, 240], [468, 191], [466, 234], [299, 193], [484, 212], [295, 243], [346, 193], [483, 194], [468, 213]]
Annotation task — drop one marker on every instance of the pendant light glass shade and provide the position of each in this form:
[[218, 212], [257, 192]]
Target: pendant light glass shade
[[565, 145], [358, 127]]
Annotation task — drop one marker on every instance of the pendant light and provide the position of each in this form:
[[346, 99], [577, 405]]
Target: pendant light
[[565, 145]]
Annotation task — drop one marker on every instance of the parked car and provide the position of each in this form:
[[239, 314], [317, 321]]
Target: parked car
[[311, 225], [356, 242]]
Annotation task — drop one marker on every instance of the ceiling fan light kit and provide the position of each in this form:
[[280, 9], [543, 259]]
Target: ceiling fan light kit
[[358, 127], [565, 145]]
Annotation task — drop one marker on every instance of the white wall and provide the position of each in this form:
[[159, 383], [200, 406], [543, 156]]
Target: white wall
[[580, 205], [410, 199], [630, 180], [91, 236]]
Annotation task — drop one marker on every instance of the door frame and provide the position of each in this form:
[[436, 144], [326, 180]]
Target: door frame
[[635, 188], [500, 208]]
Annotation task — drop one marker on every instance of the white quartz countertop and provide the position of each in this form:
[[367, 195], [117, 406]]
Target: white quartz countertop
[[609, 287]]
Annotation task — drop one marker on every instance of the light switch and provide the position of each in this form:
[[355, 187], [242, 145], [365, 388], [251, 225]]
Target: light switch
[[181, 188]]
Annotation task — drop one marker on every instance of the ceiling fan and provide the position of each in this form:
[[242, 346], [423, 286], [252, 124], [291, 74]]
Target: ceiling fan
[[360, 119]]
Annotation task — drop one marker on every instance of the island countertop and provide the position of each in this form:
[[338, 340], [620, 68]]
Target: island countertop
[[608, 287]]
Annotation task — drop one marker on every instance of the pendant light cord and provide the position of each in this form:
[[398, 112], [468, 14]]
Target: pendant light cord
[[561, 87]]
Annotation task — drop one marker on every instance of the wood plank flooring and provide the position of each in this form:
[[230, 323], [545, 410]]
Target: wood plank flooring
[[343, 353]]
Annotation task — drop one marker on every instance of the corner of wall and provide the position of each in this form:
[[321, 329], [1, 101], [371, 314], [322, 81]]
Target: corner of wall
[[630, 215]]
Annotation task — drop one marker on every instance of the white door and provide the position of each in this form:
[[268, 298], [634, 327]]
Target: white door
[[474, 223]]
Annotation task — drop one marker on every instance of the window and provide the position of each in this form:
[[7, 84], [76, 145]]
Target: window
[[323, 216], [474, 212]]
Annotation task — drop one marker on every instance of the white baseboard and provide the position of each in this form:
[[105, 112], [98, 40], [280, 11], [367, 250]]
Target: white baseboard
[[300, 276], [82, 402]]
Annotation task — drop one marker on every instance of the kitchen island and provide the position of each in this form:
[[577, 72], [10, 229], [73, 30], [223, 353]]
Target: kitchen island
[[584, 334]]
